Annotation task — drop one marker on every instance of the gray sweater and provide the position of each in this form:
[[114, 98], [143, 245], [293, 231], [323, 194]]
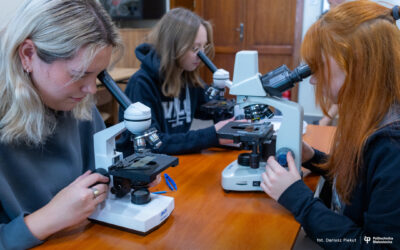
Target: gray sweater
[[31, 176]]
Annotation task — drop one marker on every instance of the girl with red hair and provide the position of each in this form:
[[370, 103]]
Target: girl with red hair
[[354, 53]]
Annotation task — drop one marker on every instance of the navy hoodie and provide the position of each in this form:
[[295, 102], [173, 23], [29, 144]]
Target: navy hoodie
[[372, 219], [172, 118]]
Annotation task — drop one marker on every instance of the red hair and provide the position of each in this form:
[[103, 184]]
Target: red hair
[[361, 36]]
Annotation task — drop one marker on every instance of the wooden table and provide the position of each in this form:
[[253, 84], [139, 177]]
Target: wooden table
[[205, 217]]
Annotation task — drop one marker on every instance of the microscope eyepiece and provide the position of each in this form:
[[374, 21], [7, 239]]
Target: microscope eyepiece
[[210, 65], [301, 72], [113, 88], [282, 79]]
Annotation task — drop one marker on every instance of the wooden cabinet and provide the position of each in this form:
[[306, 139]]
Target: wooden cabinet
[[132, 38], [271, 27], [188, 4]]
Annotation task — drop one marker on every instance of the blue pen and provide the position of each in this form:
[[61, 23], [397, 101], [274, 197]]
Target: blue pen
[[159, 192], [170, 182]]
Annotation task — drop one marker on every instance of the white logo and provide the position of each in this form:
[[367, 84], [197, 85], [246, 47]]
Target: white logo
[[175, 114], [367, 239]]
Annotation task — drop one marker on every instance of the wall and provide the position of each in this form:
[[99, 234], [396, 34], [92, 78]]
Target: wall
[[312, 11], [7, 9]]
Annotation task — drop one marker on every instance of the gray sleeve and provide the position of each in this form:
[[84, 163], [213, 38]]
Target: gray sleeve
[[16, 235], [97, 120], [87, 130]]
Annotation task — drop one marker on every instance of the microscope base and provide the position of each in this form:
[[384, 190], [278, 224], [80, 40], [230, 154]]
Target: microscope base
[[140, 218], [236, 177]]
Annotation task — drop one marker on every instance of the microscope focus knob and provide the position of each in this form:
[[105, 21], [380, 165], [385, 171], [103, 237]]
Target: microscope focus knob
[[104, 172], [140, 196], [281, 156]]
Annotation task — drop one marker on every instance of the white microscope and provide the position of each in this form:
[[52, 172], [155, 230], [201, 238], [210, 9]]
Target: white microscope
[[139, 210], [255, 92]]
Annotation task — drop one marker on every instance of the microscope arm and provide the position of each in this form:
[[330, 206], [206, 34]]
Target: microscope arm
[[251, 86], [104, 146]]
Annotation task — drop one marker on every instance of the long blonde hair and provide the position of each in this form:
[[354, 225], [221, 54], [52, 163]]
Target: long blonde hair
[[58, 28], [172, 37], [361, 36]]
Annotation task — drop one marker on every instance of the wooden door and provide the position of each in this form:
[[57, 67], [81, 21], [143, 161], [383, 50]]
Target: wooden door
[[188, 4], [271, 27], [226, 17]]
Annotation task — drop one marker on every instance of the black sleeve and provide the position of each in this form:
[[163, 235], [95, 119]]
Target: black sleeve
[[318, 158], [139, 90], [201, 99], [192, 140], [189, 142], [380, 214]]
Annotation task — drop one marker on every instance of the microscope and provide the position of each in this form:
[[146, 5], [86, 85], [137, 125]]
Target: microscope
[[255, 93], [218, 108], [129, 203]]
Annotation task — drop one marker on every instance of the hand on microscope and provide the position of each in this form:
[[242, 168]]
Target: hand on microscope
[[156, 181], [276, 179], [71, 206], [218, 126]]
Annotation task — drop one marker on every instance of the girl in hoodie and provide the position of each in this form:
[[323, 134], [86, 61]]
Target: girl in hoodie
[[168, 82]]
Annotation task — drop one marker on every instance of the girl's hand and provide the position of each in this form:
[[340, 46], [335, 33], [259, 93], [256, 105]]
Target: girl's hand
[[276, 179], [220, 124], [156, 181], [71, 206]]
